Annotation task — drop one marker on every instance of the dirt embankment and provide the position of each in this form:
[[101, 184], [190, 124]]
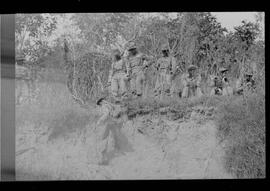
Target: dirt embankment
[[186, 148], [164, 146]]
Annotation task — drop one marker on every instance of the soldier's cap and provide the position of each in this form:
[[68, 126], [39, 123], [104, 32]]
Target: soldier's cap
[[192, 67], [222, 69]]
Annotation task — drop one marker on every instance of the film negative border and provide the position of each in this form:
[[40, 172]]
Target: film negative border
[[7, 97]]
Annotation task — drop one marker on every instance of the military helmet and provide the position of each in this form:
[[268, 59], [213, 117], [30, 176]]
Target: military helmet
[[222, 69], [192, 67]]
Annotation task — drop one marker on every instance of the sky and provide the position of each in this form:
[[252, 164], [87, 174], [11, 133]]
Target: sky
[[227, 19], [232, 19]]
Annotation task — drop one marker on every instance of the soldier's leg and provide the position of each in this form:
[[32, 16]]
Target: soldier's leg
[[173, 90], [123, 87], [157, 86], [114, 86], [185, 92], [102, 134], [139, 83], [168, 84], [133, 85], [163, 82]]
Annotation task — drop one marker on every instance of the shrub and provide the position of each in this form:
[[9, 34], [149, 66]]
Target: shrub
[[242, 126]]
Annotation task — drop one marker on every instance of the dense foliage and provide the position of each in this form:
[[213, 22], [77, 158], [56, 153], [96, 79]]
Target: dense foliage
[[193, 38]]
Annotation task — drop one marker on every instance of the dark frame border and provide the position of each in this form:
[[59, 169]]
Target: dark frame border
[[7, 97]]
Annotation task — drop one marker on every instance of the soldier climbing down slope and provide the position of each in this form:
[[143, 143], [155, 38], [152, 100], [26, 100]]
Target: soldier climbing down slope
[[109, 125]]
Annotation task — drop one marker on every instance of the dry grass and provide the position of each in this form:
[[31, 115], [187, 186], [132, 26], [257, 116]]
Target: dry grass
[[241, 122], [242, 127]]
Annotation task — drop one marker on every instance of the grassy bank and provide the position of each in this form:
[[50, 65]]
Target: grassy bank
[[241, 125]]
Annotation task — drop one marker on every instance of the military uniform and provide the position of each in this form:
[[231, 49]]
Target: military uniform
[[220, 84], [245, 83], [165, 67], [216, 85], [109, 139], [117, 78], [135, 69], [191, 84]]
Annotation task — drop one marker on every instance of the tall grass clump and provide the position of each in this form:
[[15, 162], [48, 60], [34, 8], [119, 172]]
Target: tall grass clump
[[241, 126]]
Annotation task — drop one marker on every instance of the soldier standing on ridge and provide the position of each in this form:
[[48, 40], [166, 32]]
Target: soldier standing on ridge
[[136, 63], [118, 76], [191, 82], [246, 82], [109, 125], [220, 84], [165, 65]]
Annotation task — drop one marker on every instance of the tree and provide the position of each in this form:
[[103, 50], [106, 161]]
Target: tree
[[31, 32]]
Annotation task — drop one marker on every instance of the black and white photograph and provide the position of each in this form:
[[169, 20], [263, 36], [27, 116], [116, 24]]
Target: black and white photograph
[[140, 96]]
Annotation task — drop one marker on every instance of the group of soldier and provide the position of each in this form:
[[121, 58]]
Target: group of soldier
[[130, 67]]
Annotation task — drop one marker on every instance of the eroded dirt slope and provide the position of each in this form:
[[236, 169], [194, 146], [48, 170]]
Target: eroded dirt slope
[[186, 148]]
